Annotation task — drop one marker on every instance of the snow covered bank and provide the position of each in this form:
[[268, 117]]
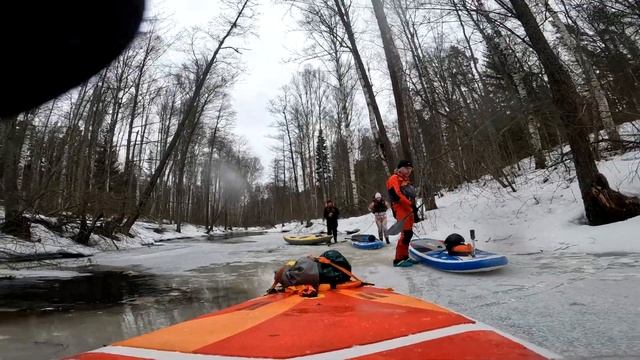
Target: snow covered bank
[[545, 214], [47, 244]]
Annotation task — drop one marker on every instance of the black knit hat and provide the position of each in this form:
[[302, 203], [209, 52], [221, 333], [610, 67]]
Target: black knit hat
[[404, 163]]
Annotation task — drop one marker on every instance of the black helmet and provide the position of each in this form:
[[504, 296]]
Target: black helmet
[[453, 240]]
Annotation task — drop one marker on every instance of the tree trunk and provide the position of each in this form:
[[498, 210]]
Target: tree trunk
[[207, 177], [182, 162], [189, 111], [507, 63], [14, 223], [375, 118], [602, 204], [430, 127], [404, 106], [589, 73], [396, 73], [84, 154]]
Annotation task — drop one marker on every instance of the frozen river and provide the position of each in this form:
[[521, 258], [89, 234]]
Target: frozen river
[[578, 305]]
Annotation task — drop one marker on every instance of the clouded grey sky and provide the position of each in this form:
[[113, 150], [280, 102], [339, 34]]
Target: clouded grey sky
[[265, 70], [277, 39]]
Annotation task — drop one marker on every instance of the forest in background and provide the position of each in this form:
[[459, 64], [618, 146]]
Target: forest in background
[[474, 87]]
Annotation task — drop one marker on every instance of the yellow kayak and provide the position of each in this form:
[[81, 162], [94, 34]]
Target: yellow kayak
[[309, 239]]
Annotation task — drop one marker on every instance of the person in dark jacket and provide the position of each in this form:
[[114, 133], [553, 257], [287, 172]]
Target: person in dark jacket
[[378, 208], [331, 214]]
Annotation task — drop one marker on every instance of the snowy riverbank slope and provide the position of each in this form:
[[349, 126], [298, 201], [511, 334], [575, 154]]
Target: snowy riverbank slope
[[544, 214]]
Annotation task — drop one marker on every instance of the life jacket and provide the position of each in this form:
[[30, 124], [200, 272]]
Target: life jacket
[[456, 246], [378, 206], [461, 250], [398, 183]]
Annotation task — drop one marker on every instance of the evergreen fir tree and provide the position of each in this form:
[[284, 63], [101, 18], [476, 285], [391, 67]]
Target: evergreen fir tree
[[323, 171]]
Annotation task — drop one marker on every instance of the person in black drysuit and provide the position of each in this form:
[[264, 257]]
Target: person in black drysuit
[[331, 214]]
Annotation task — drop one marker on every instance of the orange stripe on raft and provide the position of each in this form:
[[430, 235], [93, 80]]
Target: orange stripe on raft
[[472, 345], [103, 356], [247, 304], [333, 322], [194, 334], [395, 299]]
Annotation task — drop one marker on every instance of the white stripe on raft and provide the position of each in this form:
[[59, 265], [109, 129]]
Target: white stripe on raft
[[162, 354], [485, 269], [395, 343], [418, 338], [465, 260], [542, 351], [337, 354]]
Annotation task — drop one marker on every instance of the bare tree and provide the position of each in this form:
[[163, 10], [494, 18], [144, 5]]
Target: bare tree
[[595, 89], [602, 204], [235, 25], [14, 130], [404, 103]]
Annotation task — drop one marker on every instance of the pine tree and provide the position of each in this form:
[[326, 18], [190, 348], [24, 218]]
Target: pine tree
[[323, 171]]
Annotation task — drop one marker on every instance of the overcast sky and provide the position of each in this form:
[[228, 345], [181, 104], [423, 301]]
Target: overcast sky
[[264, 62]]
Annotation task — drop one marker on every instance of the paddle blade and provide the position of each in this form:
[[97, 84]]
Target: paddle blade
[[396, 228]]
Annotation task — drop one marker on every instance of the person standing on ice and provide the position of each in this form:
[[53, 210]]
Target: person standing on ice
[[403, 203], [331, 214], [379, 209]]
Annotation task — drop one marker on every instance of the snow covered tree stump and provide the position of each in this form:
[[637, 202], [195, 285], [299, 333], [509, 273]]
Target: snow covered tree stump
[[607, 205]]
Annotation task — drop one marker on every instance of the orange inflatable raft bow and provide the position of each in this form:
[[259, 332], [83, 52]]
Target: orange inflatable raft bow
[[346, 323]]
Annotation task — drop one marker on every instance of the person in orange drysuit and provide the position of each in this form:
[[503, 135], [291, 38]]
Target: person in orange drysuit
[[403, 203]]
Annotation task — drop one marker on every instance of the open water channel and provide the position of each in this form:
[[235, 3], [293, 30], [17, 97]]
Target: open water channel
[[583, 306]]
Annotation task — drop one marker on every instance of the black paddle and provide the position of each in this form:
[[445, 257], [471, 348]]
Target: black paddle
[[397, 227], [472, 234]]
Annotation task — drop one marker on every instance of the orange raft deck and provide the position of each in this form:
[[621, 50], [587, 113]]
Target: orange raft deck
[[362, 323]]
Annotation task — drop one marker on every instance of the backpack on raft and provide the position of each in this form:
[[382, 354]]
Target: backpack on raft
[[307, 273], [330, 274], [304, 271], [456, 246]]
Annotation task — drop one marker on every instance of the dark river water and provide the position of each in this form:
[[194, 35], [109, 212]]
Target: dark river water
[[583, 306]]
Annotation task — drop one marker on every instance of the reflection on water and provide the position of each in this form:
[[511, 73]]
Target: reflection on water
[[552, 299], [60, 317], [96, 286]]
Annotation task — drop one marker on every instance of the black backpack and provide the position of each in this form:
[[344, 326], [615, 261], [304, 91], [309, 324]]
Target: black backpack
[[453, 240], [329, 274]]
